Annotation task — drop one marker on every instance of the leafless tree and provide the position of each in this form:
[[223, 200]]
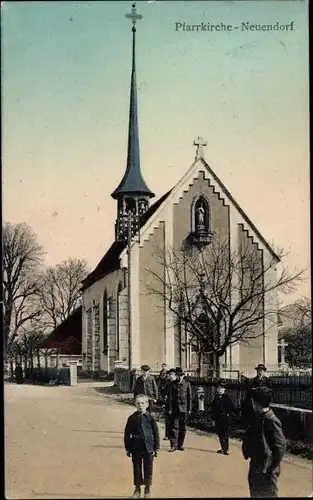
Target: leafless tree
[[22, 260], [298, 332], [60, 292], [220, 297]]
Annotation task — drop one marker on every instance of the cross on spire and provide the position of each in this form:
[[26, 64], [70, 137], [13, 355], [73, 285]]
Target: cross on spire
[[199, 142], [134, 16]]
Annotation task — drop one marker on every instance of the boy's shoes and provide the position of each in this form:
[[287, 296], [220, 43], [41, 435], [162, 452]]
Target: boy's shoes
[[181, 448], [173, 448], [137, 492], [147, 492], [225, 452], [220, 451]]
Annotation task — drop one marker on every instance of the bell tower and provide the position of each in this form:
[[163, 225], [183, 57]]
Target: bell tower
[[132, 193]]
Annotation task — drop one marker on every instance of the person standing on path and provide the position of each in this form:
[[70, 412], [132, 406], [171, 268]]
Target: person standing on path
[[260, 380], [146, 384], [222, 407], [171, 377], [179, 407], [142, 443], [18, 374], [265, 444]]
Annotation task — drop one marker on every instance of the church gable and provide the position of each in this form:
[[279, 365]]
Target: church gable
[[199, 178]]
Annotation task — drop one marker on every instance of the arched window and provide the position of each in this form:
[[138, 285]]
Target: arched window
[[142, 206], [119, 289], [201, 215], [130, 205], [105, 322]]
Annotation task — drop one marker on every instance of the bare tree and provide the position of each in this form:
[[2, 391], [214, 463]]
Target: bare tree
[[22, 259], [298, 333], [220, 297], [60, 293]]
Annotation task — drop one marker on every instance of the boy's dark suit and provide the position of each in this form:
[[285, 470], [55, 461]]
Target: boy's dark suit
[[179, 406], [222, 408], [265, 444], [141, 439]]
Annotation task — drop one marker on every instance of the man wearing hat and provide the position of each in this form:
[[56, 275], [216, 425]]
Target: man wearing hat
[[146, 384], [179, 407], [171, 377], [260, 380], [264, 444], [222, 407]]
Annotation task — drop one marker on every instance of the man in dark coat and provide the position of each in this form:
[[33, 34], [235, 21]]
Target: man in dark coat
[[179, 407], [260, 380], [222, 407], [265, 444], [171, 377], [142, 443], [146, 384], [18, 374]]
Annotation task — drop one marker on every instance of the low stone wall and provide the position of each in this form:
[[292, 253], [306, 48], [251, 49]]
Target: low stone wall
[[297, 422]]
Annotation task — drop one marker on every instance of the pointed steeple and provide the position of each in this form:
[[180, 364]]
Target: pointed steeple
[[133, 183]]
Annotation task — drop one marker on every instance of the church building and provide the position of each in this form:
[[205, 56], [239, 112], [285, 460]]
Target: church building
[[122, 324]]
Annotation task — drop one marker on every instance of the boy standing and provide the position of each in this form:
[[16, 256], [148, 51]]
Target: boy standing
[[142, 443], [265, 444], [146, 384], [222, 408]]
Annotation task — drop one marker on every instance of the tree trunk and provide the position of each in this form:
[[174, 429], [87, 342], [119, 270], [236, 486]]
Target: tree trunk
[[38, 359], [11, 368], [200, 364]]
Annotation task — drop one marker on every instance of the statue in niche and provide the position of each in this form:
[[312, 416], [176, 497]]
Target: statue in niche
[[200, 216]]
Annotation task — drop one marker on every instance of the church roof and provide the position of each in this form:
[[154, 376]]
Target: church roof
[[133, 182], [111, 260], [67, 337]]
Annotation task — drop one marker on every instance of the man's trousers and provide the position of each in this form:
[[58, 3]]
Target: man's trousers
[[222, 432], [178, 433], [262, 485], [142, 468]]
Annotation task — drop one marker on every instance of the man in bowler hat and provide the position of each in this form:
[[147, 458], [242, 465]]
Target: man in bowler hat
[[260, 379], [179, 407], [146, 384], [222, 407]]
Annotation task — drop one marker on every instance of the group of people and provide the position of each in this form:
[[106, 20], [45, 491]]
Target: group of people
[[264, 442]]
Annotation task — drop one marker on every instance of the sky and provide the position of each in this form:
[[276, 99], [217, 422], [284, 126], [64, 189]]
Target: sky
[[65, 100]]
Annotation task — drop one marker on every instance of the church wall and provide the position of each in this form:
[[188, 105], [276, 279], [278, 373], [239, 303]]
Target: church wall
[[251, 352], [151, 307], [94, 295]]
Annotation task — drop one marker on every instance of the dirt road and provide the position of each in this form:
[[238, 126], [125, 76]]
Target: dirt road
[[67, 442]]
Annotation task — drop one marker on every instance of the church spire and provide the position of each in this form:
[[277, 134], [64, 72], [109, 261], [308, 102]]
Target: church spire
[[133, 183]]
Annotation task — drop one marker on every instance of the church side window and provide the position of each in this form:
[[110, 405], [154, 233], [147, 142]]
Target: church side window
[[119, 289], [105, 322]]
